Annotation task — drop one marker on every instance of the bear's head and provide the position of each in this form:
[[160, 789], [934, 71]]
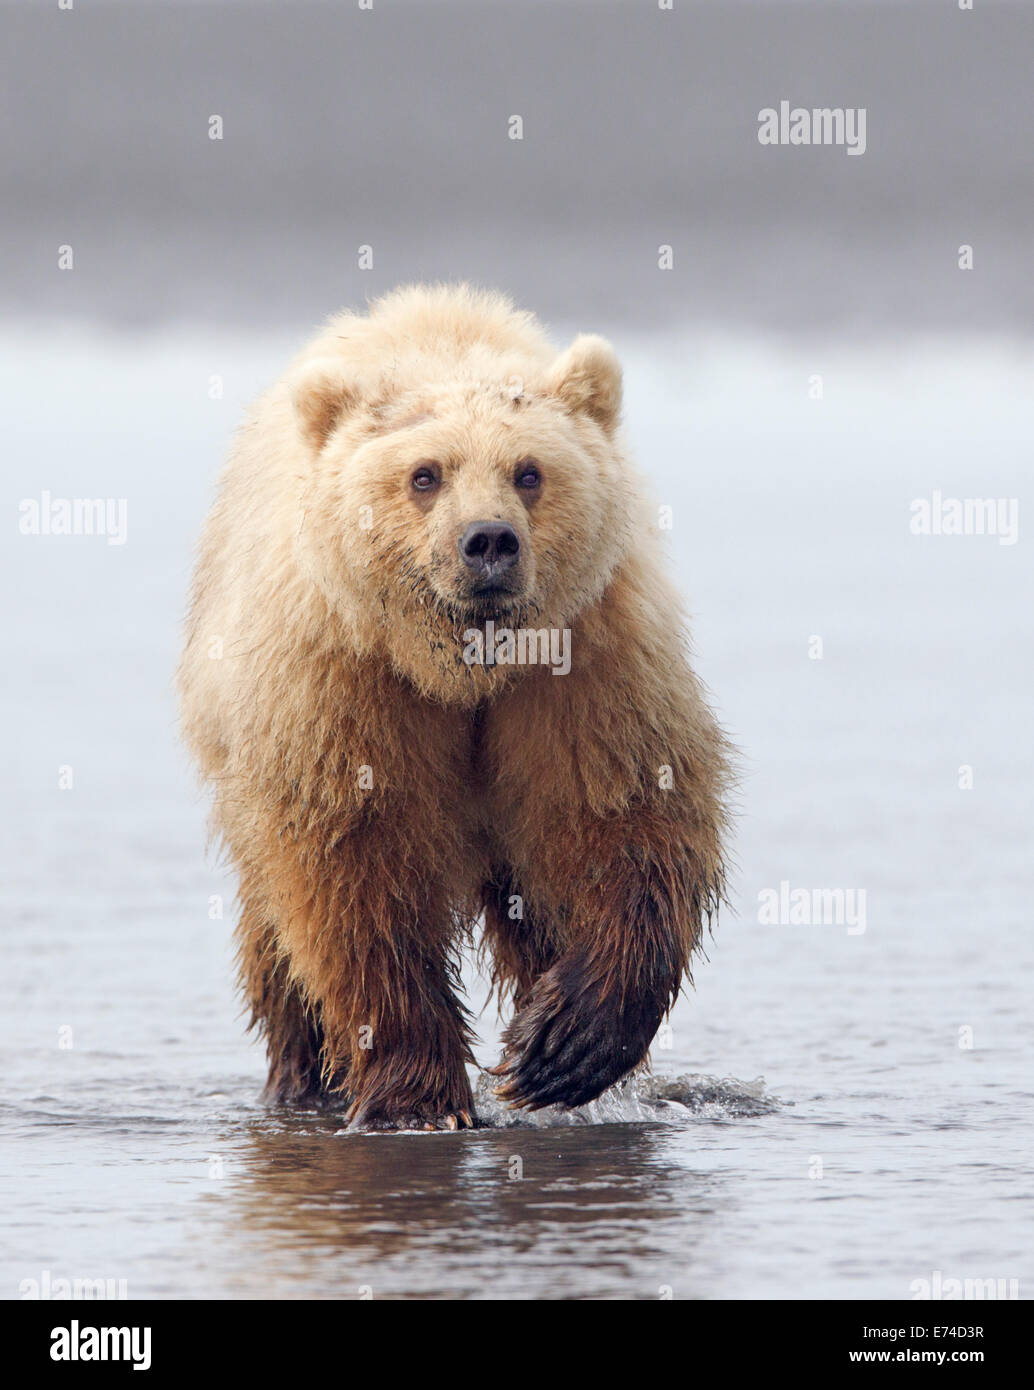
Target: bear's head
[[458, 470]]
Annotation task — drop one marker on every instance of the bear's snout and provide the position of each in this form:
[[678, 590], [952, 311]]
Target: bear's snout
[[490, 548]]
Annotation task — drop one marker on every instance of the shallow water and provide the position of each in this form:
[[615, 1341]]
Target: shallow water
[[817, 1124]]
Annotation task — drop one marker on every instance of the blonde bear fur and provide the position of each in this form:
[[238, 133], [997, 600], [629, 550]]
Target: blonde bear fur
[[376, 789]]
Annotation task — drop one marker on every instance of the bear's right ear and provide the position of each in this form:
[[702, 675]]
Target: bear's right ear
[[321, 393]]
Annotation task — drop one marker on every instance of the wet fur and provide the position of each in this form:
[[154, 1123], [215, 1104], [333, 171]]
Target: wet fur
[[337, 651]]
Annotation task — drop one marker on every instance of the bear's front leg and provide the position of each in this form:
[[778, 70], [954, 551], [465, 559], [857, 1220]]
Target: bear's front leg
[[365, 932], [410, 1045], [640, 890], [614, 830], [590, 1018]]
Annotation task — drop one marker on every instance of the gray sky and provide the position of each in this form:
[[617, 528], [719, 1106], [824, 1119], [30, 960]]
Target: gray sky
[[389, 128]]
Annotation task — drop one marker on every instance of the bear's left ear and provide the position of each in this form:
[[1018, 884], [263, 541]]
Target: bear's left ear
[[321, 393], [587, 378]]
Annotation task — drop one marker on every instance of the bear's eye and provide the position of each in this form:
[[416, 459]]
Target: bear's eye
[[528, 475], [424, 478]]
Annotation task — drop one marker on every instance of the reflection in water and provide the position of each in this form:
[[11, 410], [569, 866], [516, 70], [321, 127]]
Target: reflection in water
[[597, 1211]]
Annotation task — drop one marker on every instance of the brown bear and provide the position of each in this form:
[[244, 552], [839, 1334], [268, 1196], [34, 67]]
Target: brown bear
[[389, 768]]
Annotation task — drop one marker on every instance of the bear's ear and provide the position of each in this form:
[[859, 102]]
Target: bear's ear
[[587, 377], [321, 393]]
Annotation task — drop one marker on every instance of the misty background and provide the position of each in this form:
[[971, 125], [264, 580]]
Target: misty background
[[388, 128]]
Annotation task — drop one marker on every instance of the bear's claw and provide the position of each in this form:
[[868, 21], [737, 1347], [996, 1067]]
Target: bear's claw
[[575, 1037], [455, 1120]]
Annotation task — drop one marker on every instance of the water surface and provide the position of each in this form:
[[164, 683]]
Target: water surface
[[864, 1139]]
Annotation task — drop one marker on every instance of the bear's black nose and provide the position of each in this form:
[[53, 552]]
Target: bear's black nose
[[489, 547]]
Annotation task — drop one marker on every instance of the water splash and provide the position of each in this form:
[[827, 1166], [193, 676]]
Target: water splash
[[638, 1099]]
